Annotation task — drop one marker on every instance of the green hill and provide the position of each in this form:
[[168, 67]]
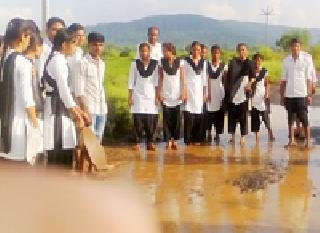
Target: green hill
[[182, 29]]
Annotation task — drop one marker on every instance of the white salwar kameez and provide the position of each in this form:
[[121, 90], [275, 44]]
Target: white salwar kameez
[[23, 99], [58, 70]]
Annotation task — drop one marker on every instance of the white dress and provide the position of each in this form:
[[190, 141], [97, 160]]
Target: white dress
[[171, 90], [144, 90], [217, 89], [258, 100], [195, 84], [74, 64], [23, 99], [58, 70]]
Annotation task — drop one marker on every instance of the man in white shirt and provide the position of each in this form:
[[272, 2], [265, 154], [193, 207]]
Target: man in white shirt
[[296, 89], [54, 24], [156, 47], [90, 90], [74, 62]]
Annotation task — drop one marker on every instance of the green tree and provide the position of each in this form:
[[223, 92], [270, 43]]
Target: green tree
[[302, 35]]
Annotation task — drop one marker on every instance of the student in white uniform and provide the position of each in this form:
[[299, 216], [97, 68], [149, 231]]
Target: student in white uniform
[[92, 94], [155, 46], [239, 78], [260, 96], [205, 128], [216, 72], [171, 94], [33, 52], [54, 24], [296, 90], [142, 99], [74, 61], [195, 82], [61, 114], [17, 103]]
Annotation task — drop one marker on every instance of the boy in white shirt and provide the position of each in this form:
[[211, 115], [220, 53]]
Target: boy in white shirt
[[91, 93], [74, 61]]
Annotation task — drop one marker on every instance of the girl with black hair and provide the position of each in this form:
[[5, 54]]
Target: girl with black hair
[[171, 94], [143, 84], [195, 81], [61, 113], [17, 103]]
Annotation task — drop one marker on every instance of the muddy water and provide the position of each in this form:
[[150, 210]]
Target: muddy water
[[190, 191]]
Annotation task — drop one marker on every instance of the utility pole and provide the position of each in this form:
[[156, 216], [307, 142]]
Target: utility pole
[[267, 13], [45, 16]]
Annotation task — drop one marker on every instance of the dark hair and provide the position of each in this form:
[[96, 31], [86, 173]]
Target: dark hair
[[195, 43], [257, 55], [74, 27], [153, 28], [170, 47], [295, 41], [95, 37], [62, 36], [1, 40], [203, 46], [142, 45], [54, 20], [215, 47], [240, 45], [35, 40], [33, 26]]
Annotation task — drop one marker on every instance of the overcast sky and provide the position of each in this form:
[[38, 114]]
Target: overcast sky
[[295, 13]]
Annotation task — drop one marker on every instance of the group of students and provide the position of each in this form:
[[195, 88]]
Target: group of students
[[203, 90], [49, 90]]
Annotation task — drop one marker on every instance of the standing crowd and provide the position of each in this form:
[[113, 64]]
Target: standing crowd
[[50, 90]]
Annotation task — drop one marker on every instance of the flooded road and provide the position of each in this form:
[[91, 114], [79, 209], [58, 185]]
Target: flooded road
[[192, 193], [192, 190]]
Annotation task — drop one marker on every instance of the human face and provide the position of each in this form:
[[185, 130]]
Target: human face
[[80, 37], [69, 48], [295, 49], [153, 36], [167, 54], [52, 31], [257, 62], [144, 53], [96, 49], [204, 53], [196, 51], [243, 52], [216, 54], [25, 41]]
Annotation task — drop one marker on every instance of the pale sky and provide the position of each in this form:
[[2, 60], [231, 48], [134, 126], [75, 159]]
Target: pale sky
[[294, 13]]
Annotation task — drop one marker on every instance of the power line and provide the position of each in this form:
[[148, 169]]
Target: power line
[[267, 13]]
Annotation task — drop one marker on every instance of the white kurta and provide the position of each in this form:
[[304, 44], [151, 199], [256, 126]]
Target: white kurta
[[23, 99], [58, 70], [91, 85], [171, 89], [241, 96], [194, 85], [74, 64], [144, 90], [217, 89], [258, 99]]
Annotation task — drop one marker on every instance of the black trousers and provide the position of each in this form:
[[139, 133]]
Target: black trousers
[[144, 123], [238, 113], [193, 128], [216, 119], [297, 107], [256, 117], [171, 122], [63, 157]]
